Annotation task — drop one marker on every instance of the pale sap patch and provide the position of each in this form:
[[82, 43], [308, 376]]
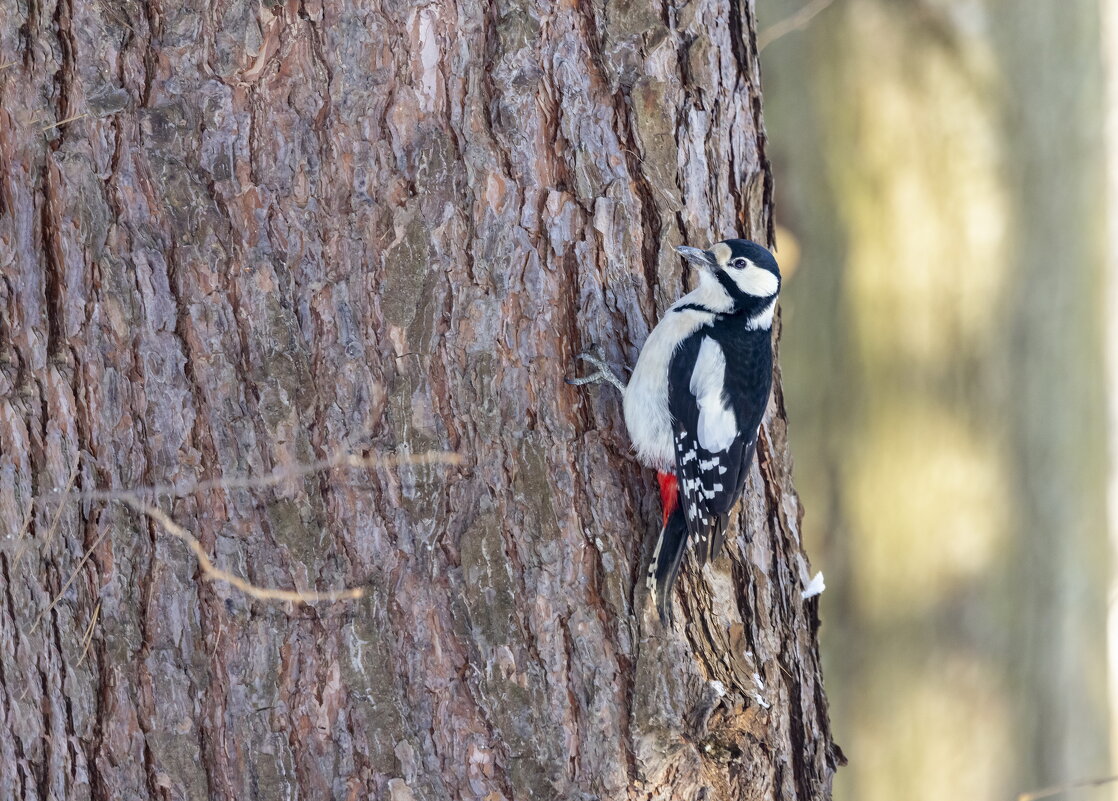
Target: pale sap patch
[[428, 59], [759, 687], [717, 423], [814, 587]]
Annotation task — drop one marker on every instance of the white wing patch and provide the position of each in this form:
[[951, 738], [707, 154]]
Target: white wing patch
[[717, 424]]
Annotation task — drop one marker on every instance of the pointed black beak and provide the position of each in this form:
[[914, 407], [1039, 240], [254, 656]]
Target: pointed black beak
[[703, 259]]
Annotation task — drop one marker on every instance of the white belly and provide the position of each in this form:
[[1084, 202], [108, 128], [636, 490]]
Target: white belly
[[646, 397]]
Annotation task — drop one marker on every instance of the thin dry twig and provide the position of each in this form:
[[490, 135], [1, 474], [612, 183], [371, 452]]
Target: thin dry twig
[[1048, 792], [134, 498], [25, 544], [87, 640], [110, 12], [793, 22], [213, 573], [63, 122], [25, 526], [277, 476], [69, 581]]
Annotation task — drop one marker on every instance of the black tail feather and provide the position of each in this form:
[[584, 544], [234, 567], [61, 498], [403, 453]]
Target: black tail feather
[[666, 559], [711, 545]]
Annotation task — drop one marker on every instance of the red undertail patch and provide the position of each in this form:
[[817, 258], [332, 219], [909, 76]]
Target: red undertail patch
[[669, 493]]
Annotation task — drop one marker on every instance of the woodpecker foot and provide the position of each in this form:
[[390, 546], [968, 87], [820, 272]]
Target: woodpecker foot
[[594, 355]]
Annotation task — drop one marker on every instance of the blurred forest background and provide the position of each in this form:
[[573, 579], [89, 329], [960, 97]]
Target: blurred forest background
[[942, 185]]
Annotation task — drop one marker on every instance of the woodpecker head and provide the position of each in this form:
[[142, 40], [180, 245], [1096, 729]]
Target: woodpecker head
[[740, 266]]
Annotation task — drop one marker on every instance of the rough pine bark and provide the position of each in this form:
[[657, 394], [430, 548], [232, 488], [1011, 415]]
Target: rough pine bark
[[236, 238]]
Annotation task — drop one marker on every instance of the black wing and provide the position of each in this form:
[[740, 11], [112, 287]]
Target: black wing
[[712, 454]]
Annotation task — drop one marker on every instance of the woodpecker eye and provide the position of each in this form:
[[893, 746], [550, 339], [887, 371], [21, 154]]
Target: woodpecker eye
[[739, 263]]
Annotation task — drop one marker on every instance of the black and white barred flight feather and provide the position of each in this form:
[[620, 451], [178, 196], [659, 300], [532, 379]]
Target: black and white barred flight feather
[[715, 383]]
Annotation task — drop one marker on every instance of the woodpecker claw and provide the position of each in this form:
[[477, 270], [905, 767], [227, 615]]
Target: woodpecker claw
[[594, 355]]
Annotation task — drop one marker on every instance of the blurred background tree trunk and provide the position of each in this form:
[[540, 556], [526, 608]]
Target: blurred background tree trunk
[[940, 168], [239, 238]]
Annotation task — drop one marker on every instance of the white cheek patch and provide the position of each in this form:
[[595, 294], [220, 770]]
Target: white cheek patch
[[717, 423], [752, 280]]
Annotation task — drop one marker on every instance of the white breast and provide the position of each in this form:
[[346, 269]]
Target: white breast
[[646, 397]]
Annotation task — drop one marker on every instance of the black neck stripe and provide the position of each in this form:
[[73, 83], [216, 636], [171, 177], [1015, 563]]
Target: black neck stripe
[[695, 307], [732, 289]]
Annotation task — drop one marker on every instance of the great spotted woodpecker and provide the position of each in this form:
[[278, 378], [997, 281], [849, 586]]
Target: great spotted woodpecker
[[696, 398]]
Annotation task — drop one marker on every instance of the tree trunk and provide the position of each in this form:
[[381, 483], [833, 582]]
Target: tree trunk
[[241, 239]]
